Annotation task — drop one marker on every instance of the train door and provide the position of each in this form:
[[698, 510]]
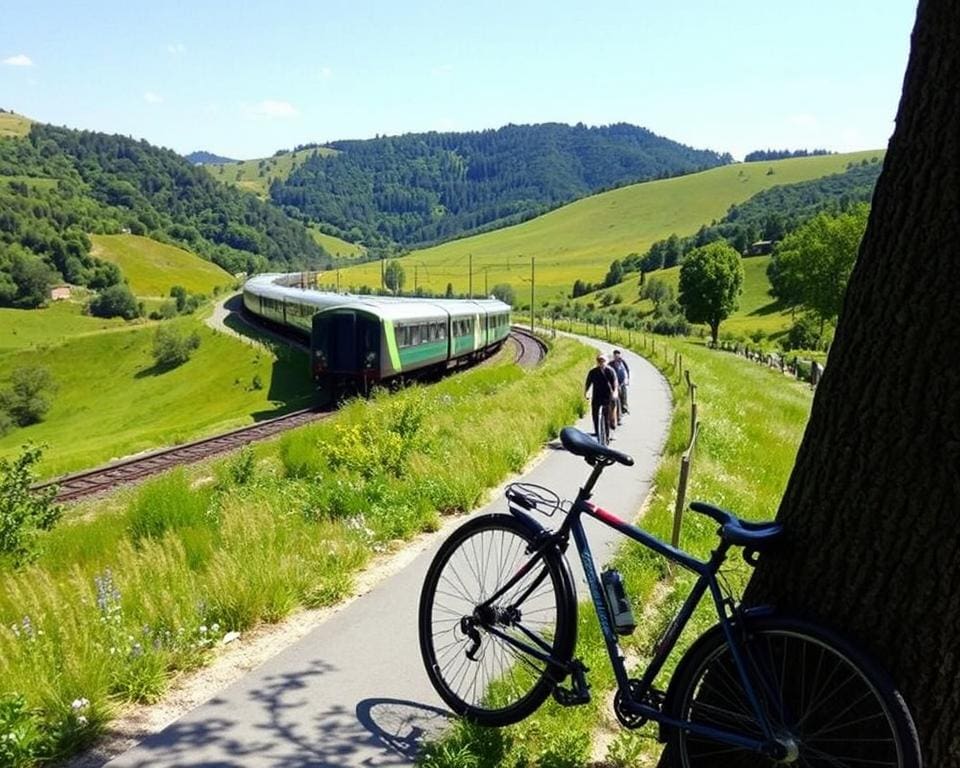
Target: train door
[[346, 343], [334, 343]]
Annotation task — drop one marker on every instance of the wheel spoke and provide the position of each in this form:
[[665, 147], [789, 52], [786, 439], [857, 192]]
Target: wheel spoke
[[822, 705], [457, 600]]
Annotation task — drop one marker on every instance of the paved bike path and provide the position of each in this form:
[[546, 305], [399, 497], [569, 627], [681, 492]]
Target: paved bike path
[[353, 691]]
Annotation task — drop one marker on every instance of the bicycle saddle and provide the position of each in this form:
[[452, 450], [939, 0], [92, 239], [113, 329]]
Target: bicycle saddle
[[581, 444], [743, 533]]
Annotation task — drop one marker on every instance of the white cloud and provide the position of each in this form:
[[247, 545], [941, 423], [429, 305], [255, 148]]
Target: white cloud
[[152, 98], [326, 73], [274, 110], [176, 49], [20, 60]]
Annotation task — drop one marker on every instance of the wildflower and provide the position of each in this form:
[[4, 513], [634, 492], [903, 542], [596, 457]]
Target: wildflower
[[80, 704], [81, 721], [108, 596], [136, 651], [26, 628]]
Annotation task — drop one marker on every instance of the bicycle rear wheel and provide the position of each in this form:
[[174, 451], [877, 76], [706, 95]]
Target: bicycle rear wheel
[[828, 704], [466, 645]]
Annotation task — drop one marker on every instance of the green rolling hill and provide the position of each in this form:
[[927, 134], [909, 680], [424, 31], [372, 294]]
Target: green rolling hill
[[579, 240], [13, 125], [257, 174], [153, 268], [758, 310], [335, 246]]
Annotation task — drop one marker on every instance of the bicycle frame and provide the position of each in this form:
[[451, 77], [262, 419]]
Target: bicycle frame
[[706, 581]]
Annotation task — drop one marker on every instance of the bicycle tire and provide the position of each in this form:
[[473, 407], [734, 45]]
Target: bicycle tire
[[504, 685], [603, 426], [822, 695]]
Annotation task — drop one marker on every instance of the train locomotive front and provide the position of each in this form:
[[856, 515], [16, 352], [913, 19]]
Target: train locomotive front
[[345, 344]]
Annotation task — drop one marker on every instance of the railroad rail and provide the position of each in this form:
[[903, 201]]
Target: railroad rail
[[530, 351], [101, 479]]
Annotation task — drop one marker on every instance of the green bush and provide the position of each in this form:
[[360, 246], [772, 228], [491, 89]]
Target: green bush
[[803, 334], [172, 348], [28, 398], [22, 512], [20, 737], [115, 301]]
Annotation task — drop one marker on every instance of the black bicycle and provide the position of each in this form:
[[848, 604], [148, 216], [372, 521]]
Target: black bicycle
[[498, 624]]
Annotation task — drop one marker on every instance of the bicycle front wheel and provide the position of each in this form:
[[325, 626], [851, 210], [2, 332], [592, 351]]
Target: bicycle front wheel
[[476, 651], [603, 426], [827, 703]]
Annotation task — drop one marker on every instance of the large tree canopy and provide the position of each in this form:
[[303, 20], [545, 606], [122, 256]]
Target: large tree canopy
[[871, 509], [711, 280], [812, 265]]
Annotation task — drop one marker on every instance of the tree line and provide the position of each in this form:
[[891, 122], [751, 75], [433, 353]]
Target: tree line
[[420, 188], [768, 215], [67, 183], [782, 154]]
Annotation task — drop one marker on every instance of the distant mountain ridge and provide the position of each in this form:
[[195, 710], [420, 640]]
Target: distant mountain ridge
[[202, 157], [428, 187]]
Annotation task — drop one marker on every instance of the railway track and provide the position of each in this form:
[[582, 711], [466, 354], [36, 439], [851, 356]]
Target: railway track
[[101, 479], [530, 351]]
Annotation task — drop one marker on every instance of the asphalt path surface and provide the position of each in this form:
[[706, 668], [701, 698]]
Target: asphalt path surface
[[353, 692]]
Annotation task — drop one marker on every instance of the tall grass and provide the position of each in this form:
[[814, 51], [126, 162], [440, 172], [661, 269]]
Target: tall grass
[[752, 420], [118, 601]]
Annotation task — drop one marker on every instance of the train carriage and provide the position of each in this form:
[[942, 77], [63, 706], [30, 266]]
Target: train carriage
[[368, 339]]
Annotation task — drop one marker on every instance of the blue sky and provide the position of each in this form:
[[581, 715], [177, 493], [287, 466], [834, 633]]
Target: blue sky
[[247, 78]]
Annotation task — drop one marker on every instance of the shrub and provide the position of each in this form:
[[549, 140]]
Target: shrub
[[242, 468], [20, 738], [505, 292], [172, 348], [22, 512], [115, 301], [28, 398], [803, 334]]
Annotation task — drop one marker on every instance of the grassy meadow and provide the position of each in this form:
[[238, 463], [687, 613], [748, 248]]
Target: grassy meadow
[[339, 249], [580, 240], [751, 423], [13, 125], [112, 401], [758, 310], [153, 268], [130, 590], [257, 174], [23, 329]]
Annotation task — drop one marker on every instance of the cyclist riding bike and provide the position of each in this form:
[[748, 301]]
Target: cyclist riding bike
[[622, 370], [603, 380]]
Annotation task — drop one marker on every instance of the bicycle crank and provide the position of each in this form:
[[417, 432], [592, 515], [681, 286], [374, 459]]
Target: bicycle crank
[[624, 708]]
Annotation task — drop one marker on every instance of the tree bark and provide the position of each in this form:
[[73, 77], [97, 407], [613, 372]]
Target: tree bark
[[872, 509]]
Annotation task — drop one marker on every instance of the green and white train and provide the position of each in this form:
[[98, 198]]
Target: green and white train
[[369, 339]]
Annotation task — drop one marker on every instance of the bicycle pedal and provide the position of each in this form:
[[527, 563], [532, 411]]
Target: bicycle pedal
[[579, 690]]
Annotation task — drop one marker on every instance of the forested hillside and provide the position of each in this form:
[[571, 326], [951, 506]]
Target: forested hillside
[[421, 188], [57, 185], [770, 214]]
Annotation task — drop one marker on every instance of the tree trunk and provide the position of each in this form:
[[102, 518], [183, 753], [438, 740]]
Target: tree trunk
[[872, 509]]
